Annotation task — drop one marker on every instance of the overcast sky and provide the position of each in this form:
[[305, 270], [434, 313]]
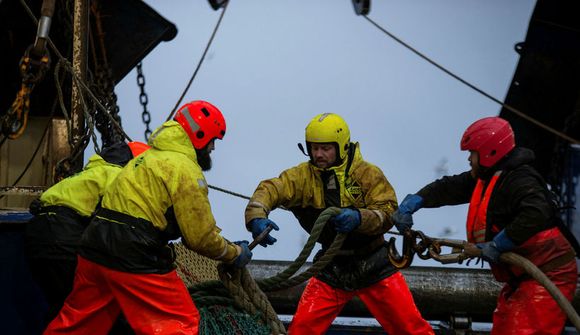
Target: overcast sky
[[276, 64]]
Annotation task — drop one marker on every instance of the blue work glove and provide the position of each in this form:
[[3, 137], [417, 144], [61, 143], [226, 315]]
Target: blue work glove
[[346, 221], [411, 204], [490, 251], [258, 225], [403, 217], [245, 256]]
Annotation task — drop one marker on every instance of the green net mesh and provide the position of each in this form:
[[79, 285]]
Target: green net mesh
[[218, 312], [224, 320]]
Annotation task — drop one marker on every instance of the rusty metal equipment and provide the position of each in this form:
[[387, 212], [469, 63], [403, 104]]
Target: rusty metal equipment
[[415, 242]]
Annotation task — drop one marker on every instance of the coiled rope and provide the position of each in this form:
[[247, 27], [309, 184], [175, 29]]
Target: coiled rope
[[248, 293]]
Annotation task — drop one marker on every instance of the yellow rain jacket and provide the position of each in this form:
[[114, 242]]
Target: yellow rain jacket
[[64, 211], [307, 190], [365, 188], [82, 191], [159, 196]]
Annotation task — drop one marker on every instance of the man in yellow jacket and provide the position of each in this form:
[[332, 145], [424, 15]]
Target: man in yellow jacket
[[126, 260], [337, 175], [60, 217]]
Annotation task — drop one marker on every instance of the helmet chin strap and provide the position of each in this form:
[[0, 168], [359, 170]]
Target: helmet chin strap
[[301, 147]]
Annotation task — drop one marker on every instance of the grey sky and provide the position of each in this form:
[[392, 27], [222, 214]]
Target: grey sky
[[276, 64]]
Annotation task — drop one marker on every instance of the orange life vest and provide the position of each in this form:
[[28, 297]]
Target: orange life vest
[[477, 213], [540, 249]]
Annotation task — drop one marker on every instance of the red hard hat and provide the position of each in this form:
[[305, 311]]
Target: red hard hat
[[138, 148], [491, 137], [202, 122]]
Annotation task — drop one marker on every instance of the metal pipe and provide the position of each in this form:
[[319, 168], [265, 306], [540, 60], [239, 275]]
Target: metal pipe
[[439, 292], [80, 48]]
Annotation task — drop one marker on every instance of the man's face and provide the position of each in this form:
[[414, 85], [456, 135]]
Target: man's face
[[323, 154], [203, 156], [474, 163]]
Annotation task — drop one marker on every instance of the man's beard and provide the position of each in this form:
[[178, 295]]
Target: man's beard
[[203, 159]]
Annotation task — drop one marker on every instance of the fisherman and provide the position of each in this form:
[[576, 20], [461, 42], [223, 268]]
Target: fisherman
[[510, 209], [126, 260], [60, 217], [337, 176]]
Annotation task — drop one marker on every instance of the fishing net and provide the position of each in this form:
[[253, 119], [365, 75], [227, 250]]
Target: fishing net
[[194, 268], [219, 314]]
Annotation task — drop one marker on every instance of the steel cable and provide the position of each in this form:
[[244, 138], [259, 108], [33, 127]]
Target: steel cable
[[473, 87], [225, 6]]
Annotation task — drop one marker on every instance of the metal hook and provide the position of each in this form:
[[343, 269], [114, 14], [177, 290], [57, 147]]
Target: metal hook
[[402, 261]]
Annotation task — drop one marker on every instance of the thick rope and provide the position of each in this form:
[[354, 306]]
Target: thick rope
[[522, 262], [284, 279], [511, 258], [248, 294]]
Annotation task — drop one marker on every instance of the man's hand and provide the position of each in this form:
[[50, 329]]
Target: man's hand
[[245, 254], [489, 252], [403, 217], [258, 225], [402, 221], [411, 204], [346, 221]]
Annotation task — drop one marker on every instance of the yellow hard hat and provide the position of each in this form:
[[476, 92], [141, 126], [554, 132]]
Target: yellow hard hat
[[329, 128]]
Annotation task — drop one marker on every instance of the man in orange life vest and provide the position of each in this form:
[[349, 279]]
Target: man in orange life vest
[[510, 209]]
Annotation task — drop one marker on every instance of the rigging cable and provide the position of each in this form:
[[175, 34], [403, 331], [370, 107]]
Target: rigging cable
[[225, 6], [480, 91], [80, 82], [68, 67], [65, 166], [229, 192], [104, 84]]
